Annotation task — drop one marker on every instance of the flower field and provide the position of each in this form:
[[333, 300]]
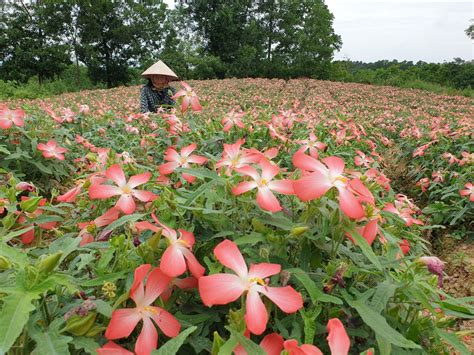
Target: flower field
[[258, 216]]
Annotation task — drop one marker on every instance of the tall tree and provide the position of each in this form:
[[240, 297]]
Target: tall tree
[[31, 41]]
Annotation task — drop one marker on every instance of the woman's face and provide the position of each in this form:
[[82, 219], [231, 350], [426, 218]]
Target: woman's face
[[160, 81]]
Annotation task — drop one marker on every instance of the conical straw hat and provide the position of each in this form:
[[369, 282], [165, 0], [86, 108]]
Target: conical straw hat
[[159, 68]]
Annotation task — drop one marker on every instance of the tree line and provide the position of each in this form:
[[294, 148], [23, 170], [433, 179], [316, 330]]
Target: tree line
[[199, 39], [75, 45]]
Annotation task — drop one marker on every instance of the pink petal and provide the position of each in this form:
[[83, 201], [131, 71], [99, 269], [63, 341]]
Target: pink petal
[[229, 255], [187, 236], [338, 340], [103, 191], [144, 196], [108, 217], [141, 226], [28, 236], [71, 195], [196, 269], [172, 261], [370, 231], [264, 270], [147, 341], [6, 124], [306, 162], [195, 105], [349, 204], [137, 291], [126, 204], [256, 316], [168, 168], [197, 159], [186, 151], [122, 323], [335, 165], [282, 186], [166, 322], [116, 174], [139, 179], [156, 283], [272, 344], [286, 298], [312, 186], [220, 289], [311, 350], [113, 349], [267, 200], [243, 187], [249, 171], [269, 170], [178, 94]]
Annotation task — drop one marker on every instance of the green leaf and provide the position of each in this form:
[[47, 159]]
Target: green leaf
[[228, 347], [103, 308], [50, 341], [202, 173], [248, 344], [252, 238], [383, 293], [385, 348], [98, 281], [277, 221], [314, 292], [364, 246], [87, 344], [13, 255], [13, 317], [4, 150], [453, 340], [172, 346], [124, 219], [379, 324], [198, 192]]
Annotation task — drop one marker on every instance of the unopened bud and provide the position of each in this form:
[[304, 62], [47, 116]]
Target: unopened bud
[[297, 231], [4, 263], [24, 186], [50, 262]]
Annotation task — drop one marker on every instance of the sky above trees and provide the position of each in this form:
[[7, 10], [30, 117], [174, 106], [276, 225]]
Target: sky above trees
[[432, 31]]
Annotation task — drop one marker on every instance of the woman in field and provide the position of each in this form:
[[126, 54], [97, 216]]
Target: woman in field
[[157, 92]]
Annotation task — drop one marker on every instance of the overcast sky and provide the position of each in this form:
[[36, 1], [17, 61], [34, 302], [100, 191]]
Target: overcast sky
[[432, 31]]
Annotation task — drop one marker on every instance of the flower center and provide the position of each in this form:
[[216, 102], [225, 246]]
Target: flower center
[[149, 311], [257, 280], [126, 190], [263, 182]]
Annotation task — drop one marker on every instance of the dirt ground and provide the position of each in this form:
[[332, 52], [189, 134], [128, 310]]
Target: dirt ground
[[459, 282]]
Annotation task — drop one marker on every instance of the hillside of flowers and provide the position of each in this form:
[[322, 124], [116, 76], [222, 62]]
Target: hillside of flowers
[[255, 217]]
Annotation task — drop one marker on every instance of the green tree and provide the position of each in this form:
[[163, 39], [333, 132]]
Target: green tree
[[32, 41]]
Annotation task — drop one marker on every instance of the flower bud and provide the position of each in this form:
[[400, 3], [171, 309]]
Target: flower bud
[[24, 186], [297, 231], [50, 262], [79, 326], [30, 205], [4, 263]]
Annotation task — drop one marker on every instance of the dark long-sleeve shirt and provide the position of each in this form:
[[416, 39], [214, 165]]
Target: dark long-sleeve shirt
[[151, 99]]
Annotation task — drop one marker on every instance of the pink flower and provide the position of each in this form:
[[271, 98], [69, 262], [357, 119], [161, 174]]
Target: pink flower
[[468, 192], [178, 255], [233, 157], [123, 189], [338, 340], [25, 186], [292, 348], [84, 109], [125, 320], [181, 160], [231, 119], [52, 150], [362, 159], [189, 98], [424, 183], [322, 178], [312, 144], [11, 117], [265, 185], [220, 289]]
